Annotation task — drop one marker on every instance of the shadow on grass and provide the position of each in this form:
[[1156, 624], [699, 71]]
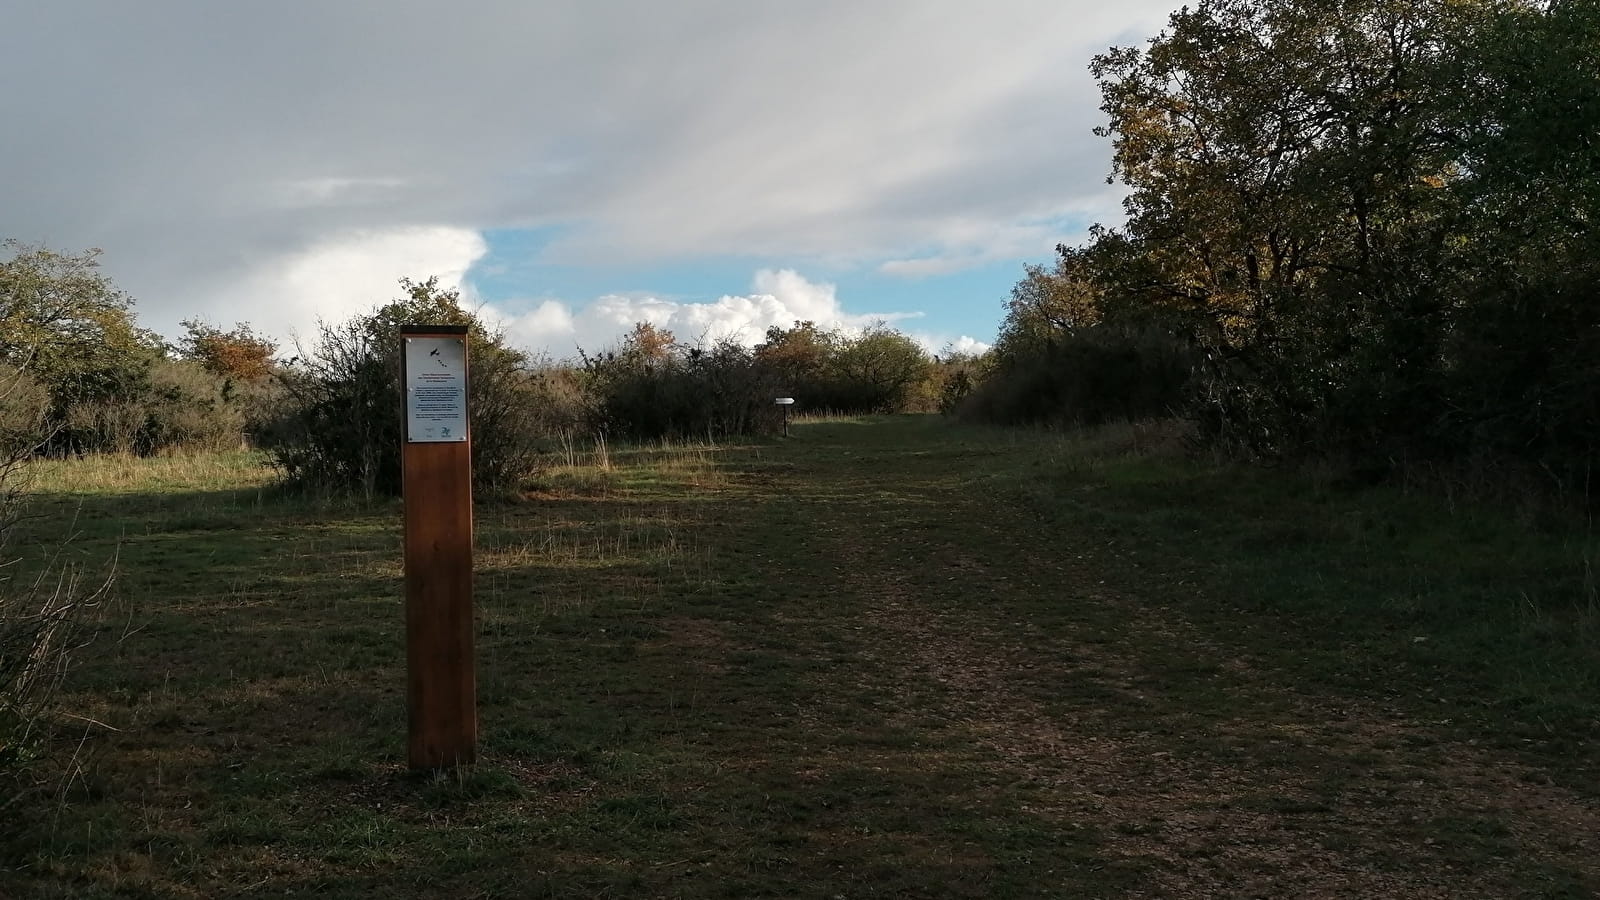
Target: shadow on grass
[[869, 660]]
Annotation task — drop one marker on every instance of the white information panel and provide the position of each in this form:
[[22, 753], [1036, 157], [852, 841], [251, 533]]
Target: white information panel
[[436, 389]]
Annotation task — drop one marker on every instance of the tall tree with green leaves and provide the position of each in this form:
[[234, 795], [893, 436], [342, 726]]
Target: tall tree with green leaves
[[879, 368], [68, 324], [797, 357], [1525, 356], [1288, 164], [344, 426], [73, 330]]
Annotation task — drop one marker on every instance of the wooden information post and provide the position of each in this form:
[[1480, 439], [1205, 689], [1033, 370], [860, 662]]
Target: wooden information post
[[436, 467]]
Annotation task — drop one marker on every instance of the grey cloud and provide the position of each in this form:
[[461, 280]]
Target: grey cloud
[[203, 143]]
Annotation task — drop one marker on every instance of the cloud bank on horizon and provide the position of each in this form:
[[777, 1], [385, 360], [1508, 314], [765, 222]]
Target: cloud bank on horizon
[[282, 164], [777, 298]]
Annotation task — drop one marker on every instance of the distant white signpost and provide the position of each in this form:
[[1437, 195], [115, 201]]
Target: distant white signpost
[[785, 402]]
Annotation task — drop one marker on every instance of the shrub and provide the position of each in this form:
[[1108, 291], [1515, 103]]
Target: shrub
[[175, 405], [24, 410], [191, 409], [1088, 377], [43, 606], [654, 387], [958, 374], [340, 424], [877, 371]]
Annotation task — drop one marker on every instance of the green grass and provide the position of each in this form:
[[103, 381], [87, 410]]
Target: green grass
[[885, 657]]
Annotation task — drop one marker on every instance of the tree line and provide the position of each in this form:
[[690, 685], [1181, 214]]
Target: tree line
[[78, 375], [1356, 229]]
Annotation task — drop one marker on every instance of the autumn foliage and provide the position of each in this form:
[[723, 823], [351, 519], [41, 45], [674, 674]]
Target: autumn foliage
[[1367, 224], [238, 353]]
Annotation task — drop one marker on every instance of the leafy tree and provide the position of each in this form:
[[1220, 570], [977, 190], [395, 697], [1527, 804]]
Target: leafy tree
[[1523, 375], [238, 353], [1046, 304], [1049, 306], [62, 317], [63, 320], [1288, 164], [797, 356], [647, 344], [1372, 219], [343, 427], [879, 369]]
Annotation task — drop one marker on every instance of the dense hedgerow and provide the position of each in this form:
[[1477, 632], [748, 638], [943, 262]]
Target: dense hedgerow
[[652, 385], [1371, 223]]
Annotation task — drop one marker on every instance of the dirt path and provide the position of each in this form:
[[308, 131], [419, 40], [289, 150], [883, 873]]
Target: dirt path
[[1104, 710]]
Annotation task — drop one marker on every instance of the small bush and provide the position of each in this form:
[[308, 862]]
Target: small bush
[[339, 426], [44, 605], [175, 406], [653, 387], [877, 371], [1088, 377], [191, 409], [24, 410]]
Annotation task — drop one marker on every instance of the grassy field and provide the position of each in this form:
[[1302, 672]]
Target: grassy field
[[883, 658]]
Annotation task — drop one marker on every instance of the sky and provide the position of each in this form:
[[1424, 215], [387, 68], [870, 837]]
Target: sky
[[714, 168]]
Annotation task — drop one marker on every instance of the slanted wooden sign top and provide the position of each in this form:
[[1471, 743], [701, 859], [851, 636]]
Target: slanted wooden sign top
[[436, 389]]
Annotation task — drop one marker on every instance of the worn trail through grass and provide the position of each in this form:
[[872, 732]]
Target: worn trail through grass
[[1108, 716], [1111, 725], [883, 658]]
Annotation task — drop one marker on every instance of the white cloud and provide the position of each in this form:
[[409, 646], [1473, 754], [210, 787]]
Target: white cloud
[[332, 280], [550, 324], [965, 344], [778, 297], [210, 153], [928, 266], [967, 243], [936, 345]]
